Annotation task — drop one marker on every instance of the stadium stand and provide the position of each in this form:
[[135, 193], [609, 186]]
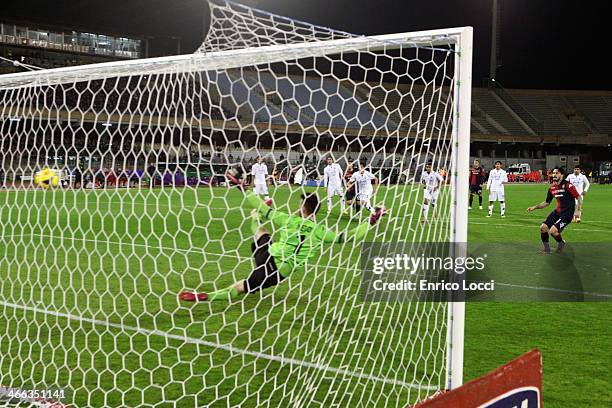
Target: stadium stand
[[553, 122], [500, 113], [597, 108]]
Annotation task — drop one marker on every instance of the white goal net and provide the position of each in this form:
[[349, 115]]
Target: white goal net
[[115, 199]]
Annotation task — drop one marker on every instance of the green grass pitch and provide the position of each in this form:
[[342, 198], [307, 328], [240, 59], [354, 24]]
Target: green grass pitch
[[86, 257]]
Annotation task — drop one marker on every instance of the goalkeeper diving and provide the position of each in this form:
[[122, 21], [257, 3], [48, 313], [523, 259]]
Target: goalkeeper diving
[[299, 239]]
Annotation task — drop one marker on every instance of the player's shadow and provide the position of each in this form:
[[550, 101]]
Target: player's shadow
[[523, 273], [560, 279]]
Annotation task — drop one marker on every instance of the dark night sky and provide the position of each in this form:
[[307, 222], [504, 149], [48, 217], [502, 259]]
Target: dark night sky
[[549, 44]]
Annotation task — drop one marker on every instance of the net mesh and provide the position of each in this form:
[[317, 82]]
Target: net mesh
[[236, 26], [90, 268]]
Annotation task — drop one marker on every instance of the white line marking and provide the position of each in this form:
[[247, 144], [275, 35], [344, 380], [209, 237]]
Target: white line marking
[[535, 226], [244, 258], [573, 292], [205, 205], [227, 347]]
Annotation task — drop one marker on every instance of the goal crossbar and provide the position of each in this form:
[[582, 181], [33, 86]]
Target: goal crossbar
[[230, 59]]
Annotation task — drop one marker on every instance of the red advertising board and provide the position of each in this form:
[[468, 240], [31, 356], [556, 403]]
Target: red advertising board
[[517, 384]]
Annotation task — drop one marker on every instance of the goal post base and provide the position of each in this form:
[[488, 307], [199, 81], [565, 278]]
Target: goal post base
[[517, 383]]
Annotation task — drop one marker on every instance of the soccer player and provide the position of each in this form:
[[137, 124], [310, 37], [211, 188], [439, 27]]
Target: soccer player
[[235, 175], [477, 175], [363, 182], [259, 171], [431, 182], [581, 182], [334, 181], [567, 196], [299, 239], [350, 191], [298, 175], [275, 176], [77, 178], [495, 186], [151, 170]]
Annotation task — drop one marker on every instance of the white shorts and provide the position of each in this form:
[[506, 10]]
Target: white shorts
[[334, 190], [365, 196], [576, 200], [496, 195], [431, 195], [261, 189]]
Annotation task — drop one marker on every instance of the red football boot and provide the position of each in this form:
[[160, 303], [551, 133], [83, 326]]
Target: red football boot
[[193, 296]]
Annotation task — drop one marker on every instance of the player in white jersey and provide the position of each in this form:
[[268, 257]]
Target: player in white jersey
[[362, 180], [259, 171], [333, 179], [581, 182], [495, 185], [431, 182]]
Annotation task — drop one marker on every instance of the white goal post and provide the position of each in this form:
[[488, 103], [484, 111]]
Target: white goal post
[[89, 277], [463, 92]]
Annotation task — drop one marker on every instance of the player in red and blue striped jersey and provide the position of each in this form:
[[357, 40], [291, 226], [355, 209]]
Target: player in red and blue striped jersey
[[569, 203], [477, 178]]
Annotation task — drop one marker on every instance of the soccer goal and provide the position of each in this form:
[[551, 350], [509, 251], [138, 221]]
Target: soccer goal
[[90, 268]]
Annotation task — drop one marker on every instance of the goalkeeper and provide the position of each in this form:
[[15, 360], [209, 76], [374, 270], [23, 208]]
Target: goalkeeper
[[299, 238]]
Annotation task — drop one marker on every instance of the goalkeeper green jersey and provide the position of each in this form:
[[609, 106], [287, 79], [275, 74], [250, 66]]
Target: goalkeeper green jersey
[[300, 238]]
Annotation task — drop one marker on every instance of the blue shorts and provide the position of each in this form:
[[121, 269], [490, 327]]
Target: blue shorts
[[559, 220], [266, 273]]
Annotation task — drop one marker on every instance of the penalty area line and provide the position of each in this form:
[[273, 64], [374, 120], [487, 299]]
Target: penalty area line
[[242, 258], [227, 347], [535, 224], [571, 292]]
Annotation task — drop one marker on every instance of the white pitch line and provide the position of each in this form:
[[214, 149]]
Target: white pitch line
[[133, 244], [244, 258], [534, 220], [536, 224], [572, 292], [227, 347], [204, 205]]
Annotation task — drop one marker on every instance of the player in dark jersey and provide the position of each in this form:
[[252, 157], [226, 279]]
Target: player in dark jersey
[[477, 178], [567, 196], [350, 192]]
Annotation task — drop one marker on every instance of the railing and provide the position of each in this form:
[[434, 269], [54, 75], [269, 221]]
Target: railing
[[66, 46], [11, 39]]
